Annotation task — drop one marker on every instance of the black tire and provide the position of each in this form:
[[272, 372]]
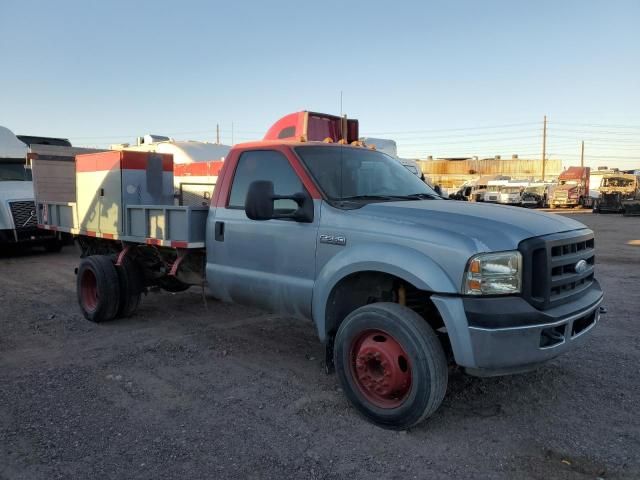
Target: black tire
[[131, 281], [98, 288], [425, 362], [172, 284]]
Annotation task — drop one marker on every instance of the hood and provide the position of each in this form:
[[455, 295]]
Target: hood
[[491, 227], [16, 190]]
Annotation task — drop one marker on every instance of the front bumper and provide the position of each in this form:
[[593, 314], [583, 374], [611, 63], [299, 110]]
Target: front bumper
[[502, 335], [26, 235], [565, 202]]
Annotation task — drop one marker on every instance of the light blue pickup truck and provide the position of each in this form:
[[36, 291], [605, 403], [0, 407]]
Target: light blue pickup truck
[[399, 282]]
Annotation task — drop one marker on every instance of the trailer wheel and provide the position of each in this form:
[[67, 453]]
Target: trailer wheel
[[131, 281], [98, 288], [390, 365]]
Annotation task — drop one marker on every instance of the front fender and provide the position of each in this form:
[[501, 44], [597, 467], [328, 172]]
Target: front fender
[[403, 262]]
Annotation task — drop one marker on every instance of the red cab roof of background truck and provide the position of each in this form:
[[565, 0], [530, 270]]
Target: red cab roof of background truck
[[574, 173], [313, 126]]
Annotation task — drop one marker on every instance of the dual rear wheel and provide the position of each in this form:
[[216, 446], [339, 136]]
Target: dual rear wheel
[[105, 290]]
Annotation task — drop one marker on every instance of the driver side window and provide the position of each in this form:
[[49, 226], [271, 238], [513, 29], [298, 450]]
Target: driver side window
[[265, 165]]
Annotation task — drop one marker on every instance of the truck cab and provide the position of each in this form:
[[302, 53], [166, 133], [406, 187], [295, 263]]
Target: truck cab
[[511, 193], [572, 189], [616, 190], [18, 224], [535, 195]]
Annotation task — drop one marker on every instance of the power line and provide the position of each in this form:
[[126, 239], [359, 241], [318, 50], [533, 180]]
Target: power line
[[453, 129], [596, 125]]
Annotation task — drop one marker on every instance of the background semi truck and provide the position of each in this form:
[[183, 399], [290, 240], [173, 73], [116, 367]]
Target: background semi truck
[[398, 282], [572, 189], [619, 192]]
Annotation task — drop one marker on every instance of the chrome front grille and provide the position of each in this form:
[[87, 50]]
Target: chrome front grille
[[24, 214]]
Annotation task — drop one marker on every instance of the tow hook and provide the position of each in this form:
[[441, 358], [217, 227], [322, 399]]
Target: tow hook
[[602, 310]]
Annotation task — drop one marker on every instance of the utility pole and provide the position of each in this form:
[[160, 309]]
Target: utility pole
[[217, 133], [544, 146], [582, 155]]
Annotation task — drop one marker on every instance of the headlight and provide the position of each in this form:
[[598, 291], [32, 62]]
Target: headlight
[[493, 274]]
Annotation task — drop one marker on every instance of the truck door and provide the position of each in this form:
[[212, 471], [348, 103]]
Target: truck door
[[269, 264]]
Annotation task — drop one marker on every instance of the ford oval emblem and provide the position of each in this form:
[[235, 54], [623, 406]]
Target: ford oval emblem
[[581, 266]]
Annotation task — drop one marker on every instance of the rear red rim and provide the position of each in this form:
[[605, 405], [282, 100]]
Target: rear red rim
[[380, 368], [89, 290]]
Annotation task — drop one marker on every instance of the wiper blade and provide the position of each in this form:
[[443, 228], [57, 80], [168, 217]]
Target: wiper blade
[[370, 197], [412, 196], [422, 196]]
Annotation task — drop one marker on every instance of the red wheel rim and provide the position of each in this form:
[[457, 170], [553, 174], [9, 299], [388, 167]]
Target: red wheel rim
[[380, 368], [89, 290]]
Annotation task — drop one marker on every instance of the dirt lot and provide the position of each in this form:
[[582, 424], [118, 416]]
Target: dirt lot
[[180, 391]]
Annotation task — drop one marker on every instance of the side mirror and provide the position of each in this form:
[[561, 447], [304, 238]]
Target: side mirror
[[259, 203]]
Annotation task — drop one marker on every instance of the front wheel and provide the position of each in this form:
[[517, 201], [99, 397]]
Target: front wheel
[[390, 365]]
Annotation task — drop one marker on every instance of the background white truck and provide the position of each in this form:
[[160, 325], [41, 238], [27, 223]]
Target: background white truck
[[17, 208], [18, 225]]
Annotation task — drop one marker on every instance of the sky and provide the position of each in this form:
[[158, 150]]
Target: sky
[[442, 78]]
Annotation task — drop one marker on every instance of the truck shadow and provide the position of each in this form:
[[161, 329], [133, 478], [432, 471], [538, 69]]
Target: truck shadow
[[18, 251]]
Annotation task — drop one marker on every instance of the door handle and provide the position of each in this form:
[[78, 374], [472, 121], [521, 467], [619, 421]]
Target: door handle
[[219, 231]]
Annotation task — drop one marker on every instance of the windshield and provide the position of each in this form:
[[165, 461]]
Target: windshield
[[511, 190], [14, 171], [348, 173], [617, 182], [412, 169], [568, 182], [534, 190]]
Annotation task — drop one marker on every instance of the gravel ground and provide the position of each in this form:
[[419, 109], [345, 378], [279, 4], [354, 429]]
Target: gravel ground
[[185, 391]]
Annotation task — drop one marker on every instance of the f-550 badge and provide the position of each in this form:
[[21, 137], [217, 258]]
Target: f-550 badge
[[333, 239]]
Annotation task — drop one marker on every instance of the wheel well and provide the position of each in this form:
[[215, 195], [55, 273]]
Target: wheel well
[[364, 288]]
